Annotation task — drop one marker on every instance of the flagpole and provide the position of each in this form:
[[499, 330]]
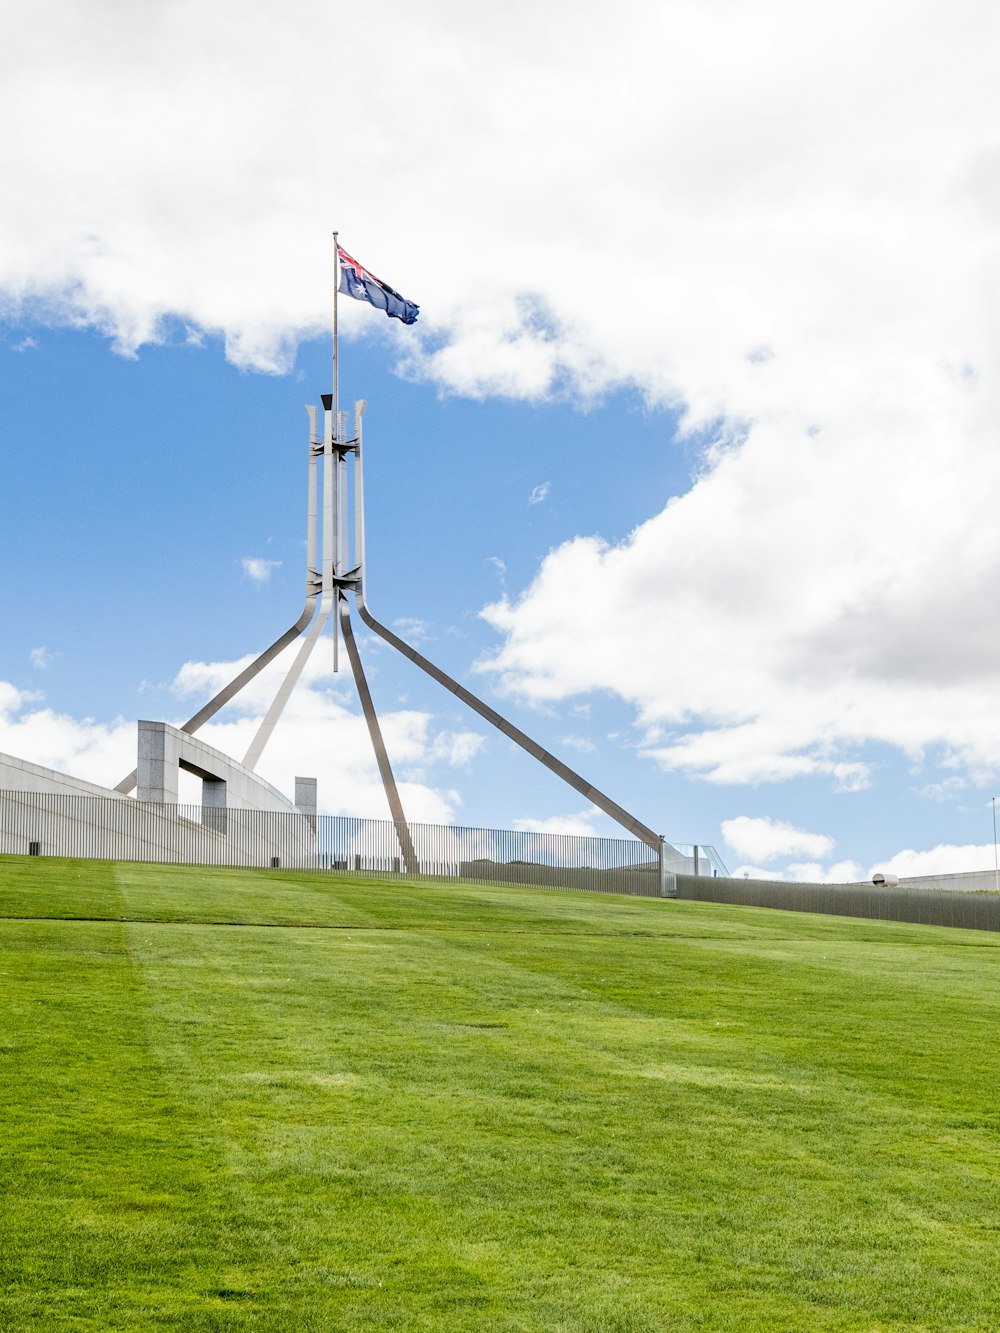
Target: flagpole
[[336, 287], [333, 462]]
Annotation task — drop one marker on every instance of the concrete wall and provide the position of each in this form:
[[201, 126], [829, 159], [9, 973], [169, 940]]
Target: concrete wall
[[249, 823], [969, 880], [21, 775], [127, 830]]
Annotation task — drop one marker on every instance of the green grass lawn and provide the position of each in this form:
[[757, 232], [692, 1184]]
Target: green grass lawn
[[267, 1100]]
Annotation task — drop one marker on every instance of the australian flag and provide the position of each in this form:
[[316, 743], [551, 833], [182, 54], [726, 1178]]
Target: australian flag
[[364, 286]]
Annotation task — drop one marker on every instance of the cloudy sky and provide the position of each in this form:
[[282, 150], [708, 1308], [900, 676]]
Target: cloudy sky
[[690, 464]]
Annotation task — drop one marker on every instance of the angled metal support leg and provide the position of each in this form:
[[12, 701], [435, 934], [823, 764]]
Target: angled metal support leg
[[635, 826], [266, 728], [375, 732]]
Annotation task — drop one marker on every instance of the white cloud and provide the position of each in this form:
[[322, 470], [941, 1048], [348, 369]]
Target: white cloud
[[319, 736], [579, 825], [457, 748], [412, 628], [257, 568], [96, 751], [41, 658], [500, 568], [945, 859], [25, 345], [943, 791], [804, 262], [12, 699], [810, 625], [763, 839], [540, 493], [841, 872], [805, 872], [581, 743]]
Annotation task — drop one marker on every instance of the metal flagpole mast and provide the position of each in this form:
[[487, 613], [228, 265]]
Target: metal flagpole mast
[[336, 287], [333, 548], [334, 460]]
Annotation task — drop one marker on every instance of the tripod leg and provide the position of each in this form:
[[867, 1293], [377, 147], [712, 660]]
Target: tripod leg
[[382, 758], [593, 794], [287, 685]]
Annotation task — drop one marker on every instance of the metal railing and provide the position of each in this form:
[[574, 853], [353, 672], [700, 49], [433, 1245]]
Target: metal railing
[[44, 824]]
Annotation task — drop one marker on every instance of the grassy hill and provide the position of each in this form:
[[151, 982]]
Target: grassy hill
[[276, 1101]]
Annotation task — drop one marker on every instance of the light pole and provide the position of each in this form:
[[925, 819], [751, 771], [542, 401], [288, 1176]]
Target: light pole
[[996, 867]]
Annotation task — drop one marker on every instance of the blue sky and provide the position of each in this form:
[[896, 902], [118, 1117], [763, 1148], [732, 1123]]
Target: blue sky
[[689, 465]]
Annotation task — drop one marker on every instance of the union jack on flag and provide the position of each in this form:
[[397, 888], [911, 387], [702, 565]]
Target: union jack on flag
[[356, 281]]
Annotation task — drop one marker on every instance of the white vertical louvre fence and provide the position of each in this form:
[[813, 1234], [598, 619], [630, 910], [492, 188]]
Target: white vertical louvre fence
[[42, 824]]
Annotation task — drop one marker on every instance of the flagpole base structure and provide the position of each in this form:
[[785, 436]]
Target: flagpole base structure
[[341, 573]]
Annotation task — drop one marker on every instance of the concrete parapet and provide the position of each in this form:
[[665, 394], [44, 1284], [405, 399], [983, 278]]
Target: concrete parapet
[[164, 749], [242, 820]]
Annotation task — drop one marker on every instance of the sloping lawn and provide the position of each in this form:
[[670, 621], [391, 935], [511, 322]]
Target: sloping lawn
[[277, 1101]]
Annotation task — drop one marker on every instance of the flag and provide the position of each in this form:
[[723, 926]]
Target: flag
[[364, 286]]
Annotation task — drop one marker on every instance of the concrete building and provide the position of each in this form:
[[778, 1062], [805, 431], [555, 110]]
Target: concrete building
[[242, 820]]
